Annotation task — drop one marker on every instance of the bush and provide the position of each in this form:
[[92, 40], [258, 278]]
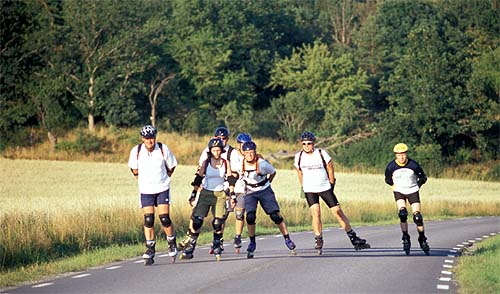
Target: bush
[[430, 158], [372, 154], [84, 143]]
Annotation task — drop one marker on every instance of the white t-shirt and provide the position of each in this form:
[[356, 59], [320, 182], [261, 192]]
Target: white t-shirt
[[314, 174], [214, 178], [250, 176], [239, 186], [153, 177]]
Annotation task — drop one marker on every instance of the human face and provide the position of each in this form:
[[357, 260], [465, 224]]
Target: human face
[[307, 146], [401, 157], [224, 139], [249, 155], [216, 152], [149, 143]]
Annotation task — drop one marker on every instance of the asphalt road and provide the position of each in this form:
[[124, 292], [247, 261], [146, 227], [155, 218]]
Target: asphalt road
[[382, 269]]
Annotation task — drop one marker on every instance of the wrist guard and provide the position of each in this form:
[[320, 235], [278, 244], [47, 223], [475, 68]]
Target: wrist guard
[[231, 180], [197, 180], [193, 195], [233, 195]]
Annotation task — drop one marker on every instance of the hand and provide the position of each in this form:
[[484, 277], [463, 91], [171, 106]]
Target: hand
[[333, 184], [233, 200], [192, 198]]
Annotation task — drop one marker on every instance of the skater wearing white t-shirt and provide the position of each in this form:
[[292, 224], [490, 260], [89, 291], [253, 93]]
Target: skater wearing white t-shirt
[[317, 178]]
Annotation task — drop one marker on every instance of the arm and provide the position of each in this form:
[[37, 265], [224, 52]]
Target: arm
[[421, 177], [271, 177], [331, 173], [388, 175], [299, 174]]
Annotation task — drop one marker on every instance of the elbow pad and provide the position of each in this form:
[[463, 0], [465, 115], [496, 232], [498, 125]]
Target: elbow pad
[[231, 180], [197, 180]]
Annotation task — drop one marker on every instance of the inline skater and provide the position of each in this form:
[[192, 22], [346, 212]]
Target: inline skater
[[257, 174], [152, 164], [317, 179], [406, 176]]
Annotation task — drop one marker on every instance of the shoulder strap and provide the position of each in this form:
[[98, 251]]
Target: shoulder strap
[[138, 150], [160, 145], [230, 149], [300, 158], [206, 163], [322, 158]]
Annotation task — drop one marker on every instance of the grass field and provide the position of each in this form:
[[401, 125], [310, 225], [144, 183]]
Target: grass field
[[55, 209]]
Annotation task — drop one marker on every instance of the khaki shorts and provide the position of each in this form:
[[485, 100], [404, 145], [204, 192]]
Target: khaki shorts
[[214, 200]]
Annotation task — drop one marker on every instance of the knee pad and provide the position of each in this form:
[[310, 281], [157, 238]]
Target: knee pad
[[165, 220], [149, 220], [197, 222], [276, 217], [251, 217], [403, 215], [418, 219], [239, 215], [217, 224]]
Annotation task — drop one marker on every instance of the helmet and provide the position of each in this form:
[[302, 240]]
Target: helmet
[[307, 136], [215, 142], [400, 148], [148, 132], [243, 137], [221, 132], [247, 146]]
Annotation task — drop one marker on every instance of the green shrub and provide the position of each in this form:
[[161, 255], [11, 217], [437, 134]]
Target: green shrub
[[430, 158]]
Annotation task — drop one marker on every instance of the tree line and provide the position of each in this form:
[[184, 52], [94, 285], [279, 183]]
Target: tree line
[[367, 72]]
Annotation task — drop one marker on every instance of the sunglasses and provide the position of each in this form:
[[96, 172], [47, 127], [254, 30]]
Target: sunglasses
[[307, 143], [223, 138]]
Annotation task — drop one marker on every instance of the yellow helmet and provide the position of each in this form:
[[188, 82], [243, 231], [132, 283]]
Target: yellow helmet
[[400, 148]]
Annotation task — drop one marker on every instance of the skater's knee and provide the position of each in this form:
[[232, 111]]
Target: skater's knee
[[276, 217], [165, 220], [149, 220], [251, 217], [217, 224], [239, 215], [197, 222], [418, 218], [403, 215]]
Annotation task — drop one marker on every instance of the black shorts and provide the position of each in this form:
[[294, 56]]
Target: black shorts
[[412, 198], [328, 196]]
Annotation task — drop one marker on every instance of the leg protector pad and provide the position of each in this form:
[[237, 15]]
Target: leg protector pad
[[403, 215], [276, 217], [165, 220], [251, 217], [418, 219], [149, 220], [217, 224], [239, 215], [197, 222]]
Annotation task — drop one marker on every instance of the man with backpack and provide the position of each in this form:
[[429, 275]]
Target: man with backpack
[[317, 179], [153, 164]]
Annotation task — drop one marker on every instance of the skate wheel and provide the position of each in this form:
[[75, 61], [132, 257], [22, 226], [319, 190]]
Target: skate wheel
[[293, 252], [250, 255], [320, 252], [427, 253], [217, 257], [407, 252], [149, 261]]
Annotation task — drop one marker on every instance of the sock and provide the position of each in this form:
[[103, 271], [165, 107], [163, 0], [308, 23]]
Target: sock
[[287, 236], [252, 239]]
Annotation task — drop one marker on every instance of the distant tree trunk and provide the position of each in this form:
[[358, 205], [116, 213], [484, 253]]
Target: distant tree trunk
[[52, 139], [155, 90]]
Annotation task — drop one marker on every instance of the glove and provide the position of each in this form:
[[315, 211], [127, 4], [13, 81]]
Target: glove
[[233, 197], [333, 184], [192, 197]]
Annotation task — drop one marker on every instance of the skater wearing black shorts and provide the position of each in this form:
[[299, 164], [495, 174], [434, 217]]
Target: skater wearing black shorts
[[406, 177], [257, 174], [317, 178], [153, 164]]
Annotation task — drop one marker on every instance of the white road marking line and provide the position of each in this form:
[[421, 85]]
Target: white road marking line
[[261, 238], [479, 239], [163, 255], [139, 261], [448, 260], [277, 236], [42, 285], [445, 279], [447, 266], [466, 243], [493, 234], [80, 276], [113, 267], [472, 241], [454, 250], [451, 255], [446, 272], [443, 287], [460, 245], [486, 236]]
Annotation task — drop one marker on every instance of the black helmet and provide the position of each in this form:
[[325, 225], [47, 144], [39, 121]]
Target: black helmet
[[249, 146], [148, 132], [243, 137], [215, 142], [307, 136], [221, 132]]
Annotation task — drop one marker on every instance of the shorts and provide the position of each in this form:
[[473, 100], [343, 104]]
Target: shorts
[[266, 198], [412, 198], [155, 199], [328, 196], [211, 200]]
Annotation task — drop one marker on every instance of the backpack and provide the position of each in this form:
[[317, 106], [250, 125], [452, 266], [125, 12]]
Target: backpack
[[320, 154], [160, 145]]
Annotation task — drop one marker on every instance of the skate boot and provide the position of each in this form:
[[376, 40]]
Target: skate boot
[[217, 243], [188, 251], [149, 255], [289, 243], [183, 243], [424, 245], [406, 243], [357, 242], [237, 243], [172, 248], [318, 244], [211, 250], [251, 249]]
